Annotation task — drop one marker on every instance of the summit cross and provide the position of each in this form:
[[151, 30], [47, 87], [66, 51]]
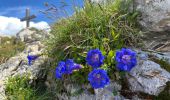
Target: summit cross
[[27, 18]]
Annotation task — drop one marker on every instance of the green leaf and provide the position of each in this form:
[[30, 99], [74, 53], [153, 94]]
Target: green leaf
[[113, 33], [116, 37], [110, 56]]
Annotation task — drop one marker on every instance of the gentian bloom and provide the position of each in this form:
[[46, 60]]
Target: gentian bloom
[[95, 58], [98, 78], [69, 65], [60, 70], [66, 68], [126, 59], [76, 67], [31, 58]]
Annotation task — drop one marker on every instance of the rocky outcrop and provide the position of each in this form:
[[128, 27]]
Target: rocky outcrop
[[155, 16], [148, 77], [31, 35], [18, 65], [99, 94]]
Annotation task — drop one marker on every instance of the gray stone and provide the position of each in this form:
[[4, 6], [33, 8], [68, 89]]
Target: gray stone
[[163, 56], [104, 94], [148, 77], [155, 14], [84, 96], [100, 94], [155, 20], [30, 35]]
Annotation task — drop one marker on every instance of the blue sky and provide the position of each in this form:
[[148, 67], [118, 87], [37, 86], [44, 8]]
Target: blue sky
[[16, 8]]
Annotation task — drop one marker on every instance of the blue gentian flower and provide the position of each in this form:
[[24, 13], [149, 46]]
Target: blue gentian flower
[[76, 67], [60, 70], [98, 78], [31, 58], [95, 58], [66, 68], [126, 59], [69, 64]]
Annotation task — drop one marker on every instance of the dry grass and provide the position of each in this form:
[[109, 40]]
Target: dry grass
[[9, 46]]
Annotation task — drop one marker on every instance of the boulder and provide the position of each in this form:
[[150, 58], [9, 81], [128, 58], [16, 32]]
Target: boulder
[[148, 77], [155, 14], [155, 20]]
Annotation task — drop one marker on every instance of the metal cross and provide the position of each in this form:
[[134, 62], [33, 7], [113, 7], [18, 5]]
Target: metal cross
[[27, 18]]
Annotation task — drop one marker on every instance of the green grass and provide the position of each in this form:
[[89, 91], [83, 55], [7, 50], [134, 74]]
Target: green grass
[[108, 27], [9, 47], [20, 88]]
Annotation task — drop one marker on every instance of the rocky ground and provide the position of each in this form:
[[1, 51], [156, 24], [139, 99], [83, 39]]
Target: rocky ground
[[19, 63]]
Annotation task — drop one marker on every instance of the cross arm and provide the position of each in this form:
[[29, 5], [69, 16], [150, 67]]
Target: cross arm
[[28, 18]]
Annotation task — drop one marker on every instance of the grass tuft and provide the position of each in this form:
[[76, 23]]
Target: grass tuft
[[107, 27], [19, 88], [9, 47]]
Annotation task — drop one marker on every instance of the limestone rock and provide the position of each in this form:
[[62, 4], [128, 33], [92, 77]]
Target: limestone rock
[[100, 94], [107, 92], [163, 56], [148, 77], [30, 35], [155, 20], [155, 14]]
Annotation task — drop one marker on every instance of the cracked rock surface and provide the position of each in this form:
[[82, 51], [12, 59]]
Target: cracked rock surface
[[148, 77]]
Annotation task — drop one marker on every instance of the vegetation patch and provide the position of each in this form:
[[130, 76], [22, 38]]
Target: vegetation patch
[[106, 27], [20, 88], [9, 46]]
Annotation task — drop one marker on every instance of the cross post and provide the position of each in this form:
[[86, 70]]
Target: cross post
[[27, 18]]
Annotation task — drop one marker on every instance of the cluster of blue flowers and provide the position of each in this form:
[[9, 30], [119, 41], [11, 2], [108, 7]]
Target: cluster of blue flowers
[[66, 67], [98, 78]]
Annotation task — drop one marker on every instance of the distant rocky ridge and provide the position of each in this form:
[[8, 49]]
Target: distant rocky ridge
[[19, 63]]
